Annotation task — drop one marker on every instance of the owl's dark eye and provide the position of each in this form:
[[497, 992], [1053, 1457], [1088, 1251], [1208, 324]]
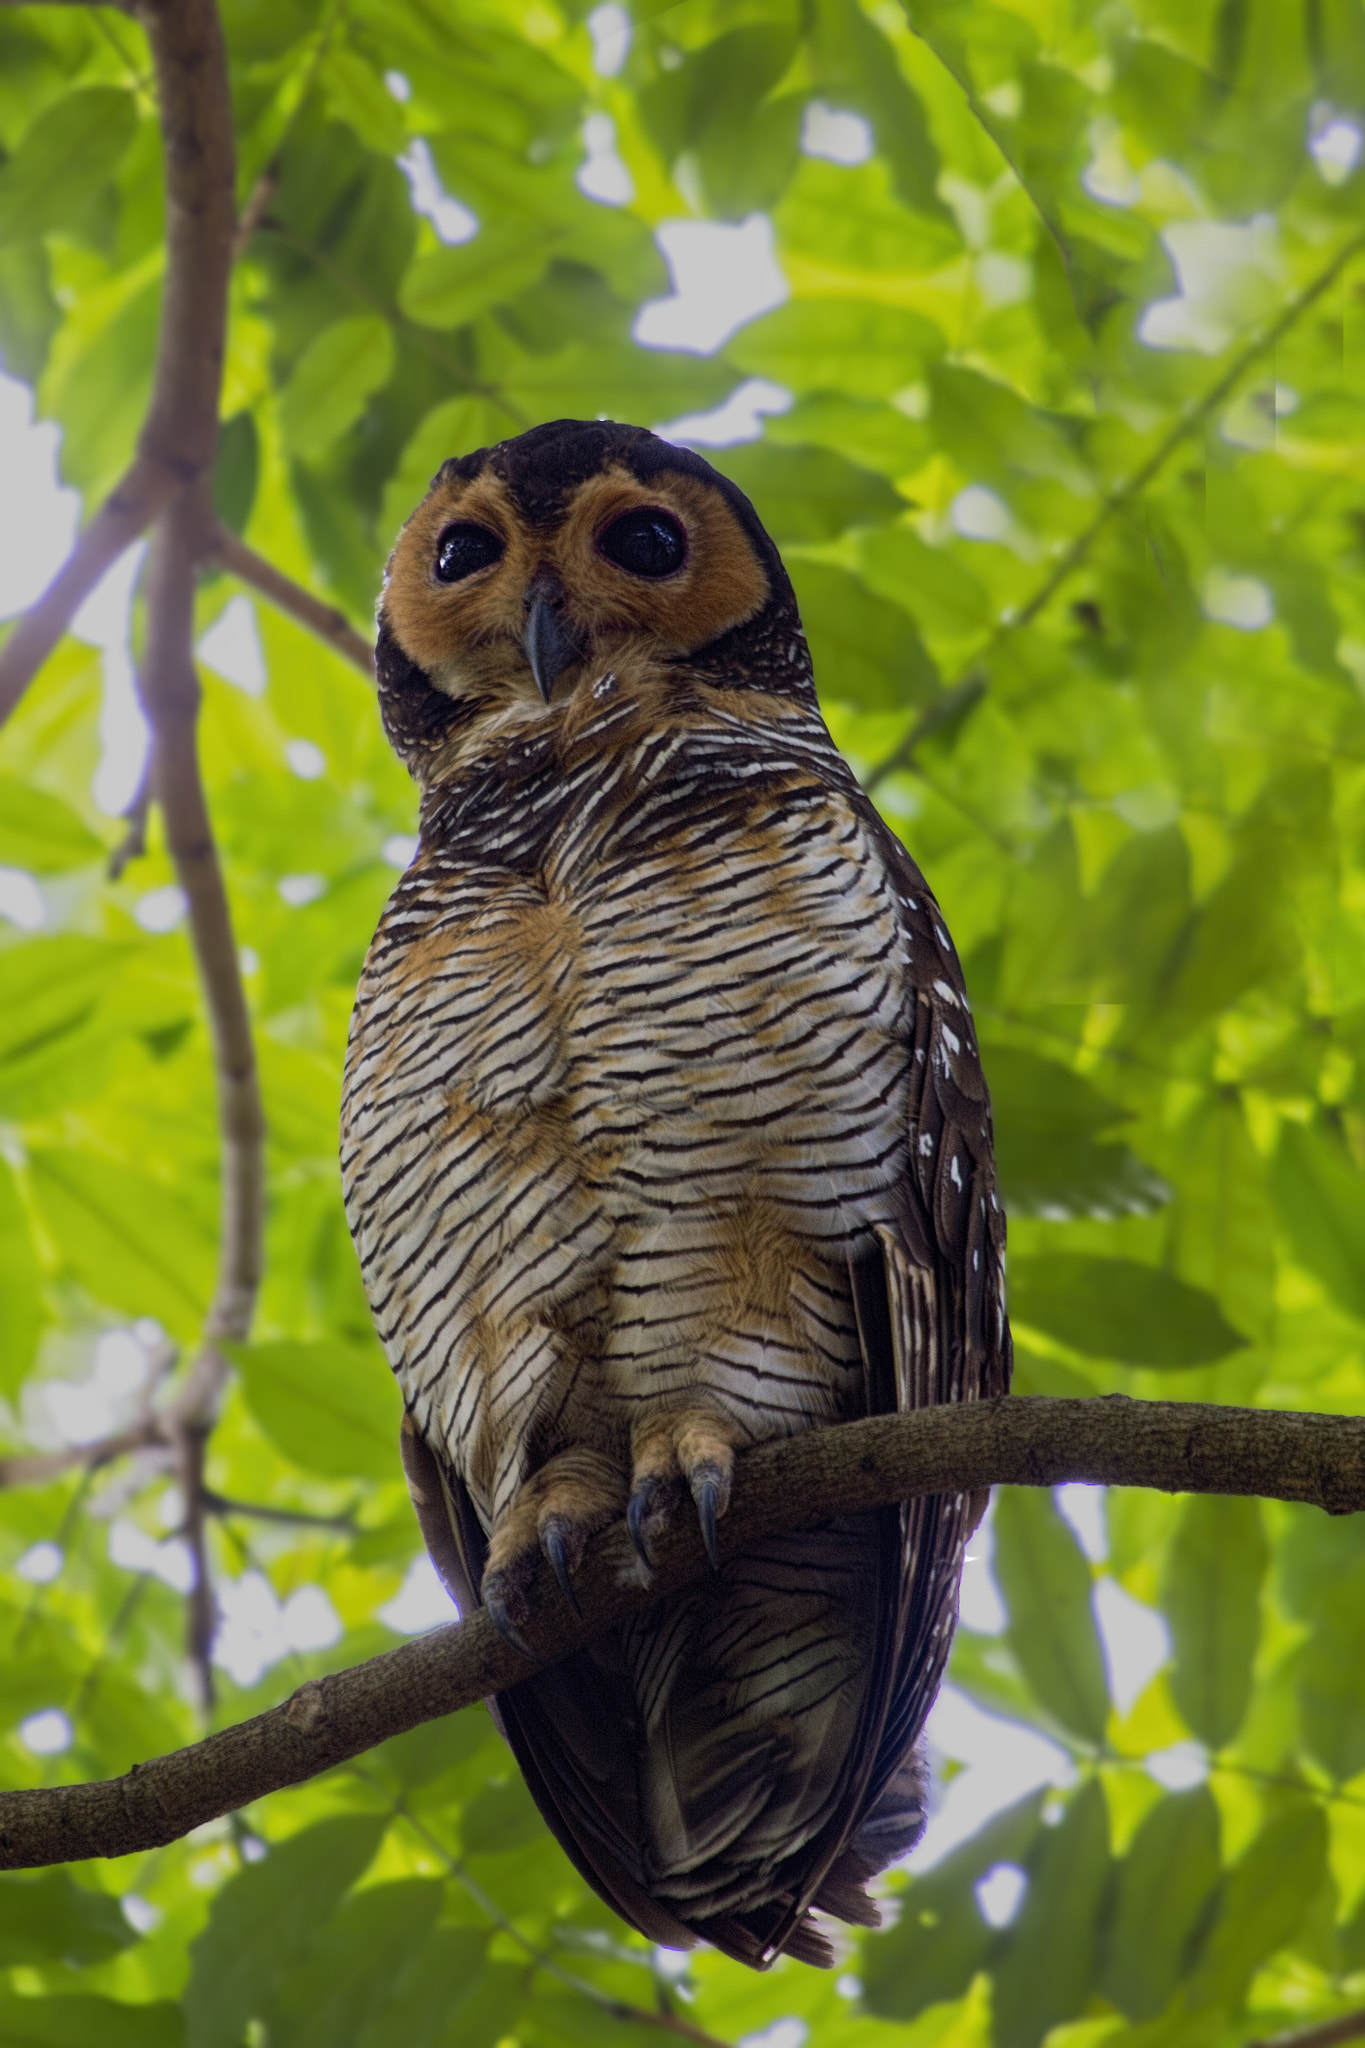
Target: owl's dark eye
[[465, 547], [647, 542]]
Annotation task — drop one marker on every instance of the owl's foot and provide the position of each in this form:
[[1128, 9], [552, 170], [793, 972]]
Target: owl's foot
[[697, 1446], [572, 1496]]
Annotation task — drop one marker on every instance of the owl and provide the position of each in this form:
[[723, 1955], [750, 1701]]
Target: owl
[[664, 1134]]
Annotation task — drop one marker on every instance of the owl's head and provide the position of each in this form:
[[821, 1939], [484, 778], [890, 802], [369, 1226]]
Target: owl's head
[[532, 569]]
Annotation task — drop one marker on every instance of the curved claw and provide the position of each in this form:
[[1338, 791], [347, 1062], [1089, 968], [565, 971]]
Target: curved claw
[[502, 1622], [636, 1514], [706, 1496], [553, 1544]]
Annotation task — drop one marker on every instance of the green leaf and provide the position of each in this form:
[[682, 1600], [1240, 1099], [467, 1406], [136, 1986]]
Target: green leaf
[[331, 383], [1115, 1308], [128, 1239], [939, 1940], [100, 384], [52, 1919], [858, 69], [939, 591], [449, 1996], [1223, 1226], [1045, 1582], [500, 1818], [1164, 1885], [1212, 1598], [29, 313], [21, 1306], [331, 1407], [436, 1747], [48, 985], [72, 149], [355, 1965], [1320, 1197], [581, 381], [357, 94], [1267, 1894], [40, 832], [866, 652], [236, 471], [808, 494], [1051, 1160], [263, 1921], [716, 104], [79, 2022], [1331, 1675], [450, 287], [866, 350], [1047, 1967]]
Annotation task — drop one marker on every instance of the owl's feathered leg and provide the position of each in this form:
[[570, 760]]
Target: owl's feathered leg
[[572, 1496], [697, 1446]]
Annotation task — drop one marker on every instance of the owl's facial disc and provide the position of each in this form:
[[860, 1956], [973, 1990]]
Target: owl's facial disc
[[518, 611]]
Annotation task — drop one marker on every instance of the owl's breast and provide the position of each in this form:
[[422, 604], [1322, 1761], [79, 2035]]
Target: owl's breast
[[740, 1022]]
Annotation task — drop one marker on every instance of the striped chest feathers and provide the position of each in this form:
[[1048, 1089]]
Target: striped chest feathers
[[672, 960]]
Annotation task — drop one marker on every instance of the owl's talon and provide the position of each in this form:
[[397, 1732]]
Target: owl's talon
[[496, 1600], [637, 1513], [557, 1550], [502, 1623], [706, 1493]]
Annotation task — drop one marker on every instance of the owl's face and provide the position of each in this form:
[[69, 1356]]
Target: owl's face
[[532, 569]]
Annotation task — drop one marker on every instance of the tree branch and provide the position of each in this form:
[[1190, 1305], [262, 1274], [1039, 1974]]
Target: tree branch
[[1192, 418], [288, 596], [169, 688], [179, 435], [1174, 1446], [170, 696], [38, 1467]]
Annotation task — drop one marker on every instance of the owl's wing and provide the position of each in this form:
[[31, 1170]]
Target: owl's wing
[[932, 1328]]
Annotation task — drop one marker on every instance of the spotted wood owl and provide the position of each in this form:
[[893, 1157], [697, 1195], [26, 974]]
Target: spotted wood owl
[[665, 1134]]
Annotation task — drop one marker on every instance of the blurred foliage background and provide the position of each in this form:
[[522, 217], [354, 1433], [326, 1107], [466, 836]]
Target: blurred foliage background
[[1041, 326]]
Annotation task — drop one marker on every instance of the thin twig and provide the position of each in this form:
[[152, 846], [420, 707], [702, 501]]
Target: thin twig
[[170, 693], [36, 1468], [179, 434], [800, 1482], [219, 1504], [201, 1613], [268, 183], [962, 696], [133, 844], [1193, 417], [257, 205], [288, 596]]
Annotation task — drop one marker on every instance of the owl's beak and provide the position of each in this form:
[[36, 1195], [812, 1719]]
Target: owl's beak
[[551, 644]]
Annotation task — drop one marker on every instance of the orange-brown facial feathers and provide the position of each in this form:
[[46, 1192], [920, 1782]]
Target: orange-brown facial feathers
[[459, 632], [469, 633]]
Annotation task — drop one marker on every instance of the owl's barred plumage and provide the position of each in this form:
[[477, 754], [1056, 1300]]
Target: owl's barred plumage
[[665, 1133]]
